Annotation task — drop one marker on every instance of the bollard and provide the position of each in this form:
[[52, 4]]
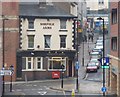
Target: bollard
[[73, 93]]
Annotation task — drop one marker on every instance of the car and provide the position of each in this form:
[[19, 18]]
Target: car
[[99, 46], [91, 67], [97, 50], [95, 55], [99, 41], [96, 62], [100, 38]]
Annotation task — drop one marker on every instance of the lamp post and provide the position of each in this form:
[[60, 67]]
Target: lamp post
[[3, 25], [103, 53], [77, 85], [62, 67], [83, 50], [12, 69]]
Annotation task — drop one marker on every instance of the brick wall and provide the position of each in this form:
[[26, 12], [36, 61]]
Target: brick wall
[[11, 11]]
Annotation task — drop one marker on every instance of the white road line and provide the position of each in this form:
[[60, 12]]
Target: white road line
[[42, 93]]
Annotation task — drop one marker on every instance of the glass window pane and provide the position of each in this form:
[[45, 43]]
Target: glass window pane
[[47, 41], [23, 63], [29, 65], [31, 24], [39, 65], [31, 41], [62, 24], [62, 41]]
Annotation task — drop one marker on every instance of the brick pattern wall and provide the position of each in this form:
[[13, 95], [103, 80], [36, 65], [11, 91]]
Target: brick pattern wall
[[11, 11], [114, 27]]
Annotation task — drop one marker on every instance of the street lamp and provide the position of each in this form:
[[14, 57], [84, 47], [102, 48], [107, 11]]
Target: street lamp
[[3, 25], [103, 53]]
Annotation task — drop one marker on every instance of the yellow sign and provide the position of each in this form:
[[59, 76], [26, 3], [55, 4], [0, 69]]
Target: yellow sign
[[80, 30]]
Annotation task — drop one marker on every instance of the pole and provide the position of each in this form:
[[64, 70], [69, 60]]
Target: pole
[[3, 55], [77, 86], [11, 84], [103, 57], [62, 80], [83, 52]]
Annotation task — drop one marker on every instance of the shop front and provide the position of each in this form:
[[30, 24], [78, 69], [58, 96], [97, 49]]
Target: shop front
[[35, 65]]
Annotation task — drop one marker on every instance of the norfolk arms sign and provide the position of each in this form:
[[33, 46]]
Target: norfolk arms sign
[[47, 25]]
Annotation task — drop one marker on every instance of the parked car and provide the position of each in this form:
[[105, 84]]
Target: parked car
[[99, 41], [97, 50], [99, 46], [96, 62], [100, 38], [91, 67], [95, 55]]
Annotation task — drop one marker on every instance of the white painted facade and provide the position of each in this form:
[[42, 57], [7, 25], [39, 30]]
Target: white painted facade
[[94, 4], [40, 32]]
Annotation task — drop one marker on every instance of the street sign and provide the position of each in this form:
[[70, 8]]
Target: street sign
[[5, 72], [104, 89], [77, 65], [105, 64]]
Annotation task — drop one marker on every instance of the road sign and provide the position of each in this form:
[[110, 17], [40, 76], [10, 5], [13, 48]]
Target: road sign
[[105, 64], [5, 72], [77, 65], [104, 89]]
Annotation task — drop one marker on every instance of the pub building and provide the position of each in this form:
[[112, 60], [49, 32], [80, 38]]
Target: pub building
[[47, 41]]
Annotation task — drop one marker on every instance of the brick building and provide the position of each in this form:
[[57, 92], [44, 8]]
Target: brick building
[[114, 72], [10, 11]]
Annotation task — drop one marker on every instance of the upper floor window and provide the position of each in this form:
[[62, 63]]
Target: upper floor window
[[31, 41], [63, 23], [62, 41], [30, 23], [114, 16], [114, 43], [47, 39]]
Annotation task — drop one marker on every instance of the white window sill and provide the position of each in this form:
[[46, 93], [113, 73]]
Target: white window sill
[[56, 70], [34, 70]]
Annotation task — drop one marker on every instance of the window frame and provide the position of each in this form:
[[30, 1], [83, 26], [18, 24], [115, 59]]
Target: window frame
[[41, 63], [114, 17], [114, 45], [60, 59], [31, 23], [29, 43], [45, 36], [61, 41], [63, 24]]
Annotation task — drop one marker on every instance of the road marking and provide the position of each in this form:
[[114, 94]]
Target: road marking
[[86, 76], [42, 93]]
